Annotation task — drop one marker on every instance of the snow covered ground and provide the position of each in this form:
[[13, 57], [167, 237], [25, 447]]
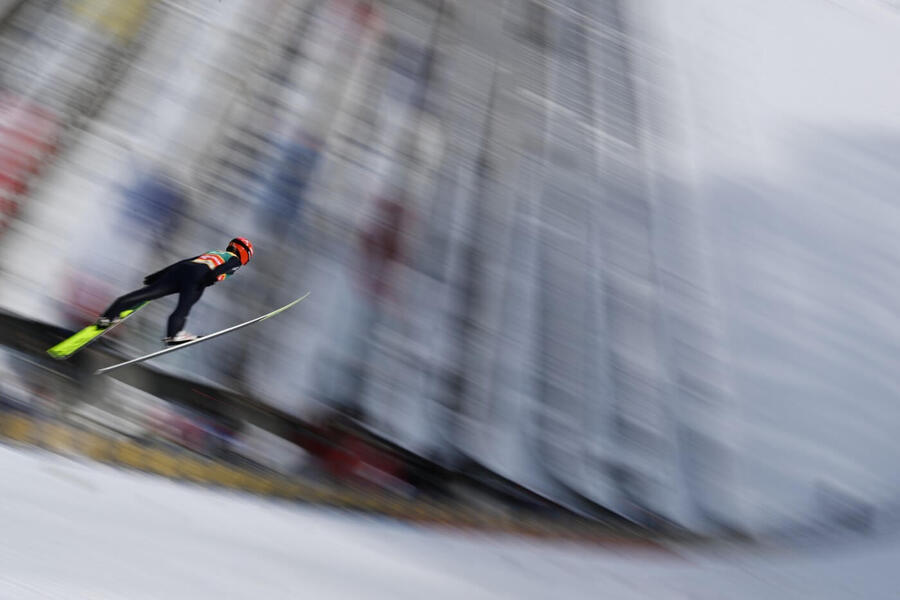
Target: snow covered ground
[[83, 530]]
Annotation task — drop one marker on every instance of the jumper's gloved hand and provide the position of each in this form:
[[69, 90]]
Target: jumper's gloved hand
[[150, 279]]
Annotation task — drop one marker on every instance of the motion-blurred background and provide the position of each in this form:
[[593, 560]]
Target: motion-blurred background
[[632, 260]]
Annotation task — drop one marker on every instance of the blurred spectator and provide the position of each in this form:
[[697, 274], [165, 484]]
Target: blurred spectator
[[381, 246], [286, 183], [154, 205]]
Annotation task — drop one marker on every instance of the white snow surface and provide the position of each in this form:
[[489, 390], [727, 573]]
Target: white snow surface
[[83, 530]]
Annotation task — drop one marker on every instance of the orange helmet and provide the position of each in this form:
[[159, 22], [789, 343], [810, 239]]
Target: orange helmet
[[242, 247]]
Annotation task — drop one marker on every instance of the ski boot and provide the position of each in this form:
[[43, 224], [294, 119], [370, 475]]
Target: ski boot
[[106, 322], [180, 338]]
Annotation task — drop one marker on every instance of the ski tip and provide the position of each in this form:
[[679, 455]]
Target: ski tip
[[287, 306]]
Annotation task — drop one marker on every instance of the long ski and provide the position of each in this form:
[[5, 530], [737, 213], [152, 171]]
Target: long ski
[[200, 339]]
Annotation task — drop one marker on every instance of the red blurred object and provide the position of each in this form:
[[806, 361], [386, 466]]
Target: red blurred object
[[29, 135], [382, 245], [349, 458]]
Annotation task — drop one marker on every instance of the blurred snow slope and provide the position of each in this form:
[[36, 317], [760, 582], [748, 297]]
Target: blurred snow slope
[[83, 530]]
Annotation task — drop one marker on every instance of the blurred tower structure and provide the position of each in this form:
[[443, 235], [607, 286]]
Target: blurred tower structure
[[589, 362], [475, 192]]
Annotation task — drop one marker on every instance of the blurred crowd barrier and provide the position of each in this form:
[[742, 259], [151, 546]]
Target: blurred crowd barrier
[[507, 271], [137, 431]]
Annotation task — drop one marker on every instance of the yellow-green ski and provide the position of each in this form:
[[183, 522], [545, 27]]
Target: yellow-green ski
[[73, 344]]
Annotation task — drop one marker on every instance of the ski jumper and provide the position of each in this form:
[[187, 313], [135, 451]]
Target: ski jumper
[[187, 278]]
